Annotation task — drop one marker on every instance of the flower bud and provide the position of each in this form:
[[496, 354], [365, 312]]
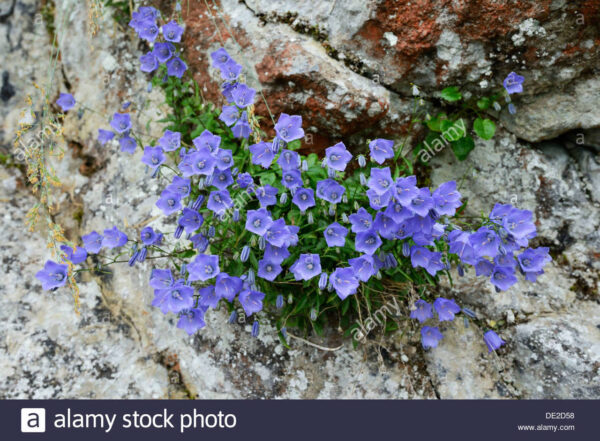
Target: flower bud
[[255, 329], [363, 180], [283, 198], [331, 173], [497, 106], [362, 161], [313, 314], [236, 215], [304, 165], [406, 249], [345, 198], [198, 202], [142, 255], [310, 218], [178, 232], [232, 317], [245, 253], [290, 299], [323, 281], [251, 279], [345, 218], [133, 258], [279, 301], [262, 243], [211, 231]]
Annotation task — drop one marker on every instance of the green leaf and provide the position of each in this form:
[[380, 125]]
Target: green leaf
[[484, 103], [463, 147], [485, 128], [434, 124], [451, 94], [453, 130]]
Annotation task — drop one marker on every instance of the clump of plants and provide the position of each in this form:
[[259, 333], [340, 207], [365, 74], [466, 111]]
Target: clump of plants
[[273, 234]]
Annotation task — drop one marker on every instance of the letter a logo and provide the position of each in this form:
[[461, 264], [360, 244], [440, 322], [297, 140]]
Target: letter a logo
[[33, 420]]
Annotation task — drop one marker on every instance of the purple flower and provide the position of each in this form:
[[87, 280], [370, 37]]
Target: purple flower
[[518, 223], [200, 242], [175, 298], [222, 179], [180, 185], [337, 156], [191, 320], [75, 257], [169, 202], [242, 129], [105, 135], [330, 191], [258, 221], [430, 337], [262, 154], [304, 198], [380, 180], [172, 32], [278, 233], [161, 278], [203, 267], [460, 244], [445, 309], [227, 286], [170, 141], [344, 282], [422, 202], [291, 179], [66, 101], [484, 267], [244, 180], [208, 297], [364, 267], [335, 235], [289, 128], [191, 220], [533, 260], [268, 270], [121, 122], [219, 201], [289, 160], [306, 267], [148, 31], [422, 311], [378, 201], [492, 340], [149, 62], [163, 51], [267, 195], [53, 275], [224, 159], [367, 242], [385, 226], [485, 242], [513, 83], [397, 212], [220, 57], [153, 157], [128, 144], [92, 242], [243, 95], [201, 161], [503, 278], [176, 67], [251, 301], [276, 254], [229, 115], [361, 221], [230, 70], [207, 141], [148, 236], [424, 258], [114, 238], [406, 190], [381, 149], [446, 199]]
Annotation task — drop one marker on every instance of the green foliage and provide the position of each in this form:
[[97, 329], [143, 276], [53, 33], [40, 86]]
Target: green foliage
[[451, 94], [485, 128]]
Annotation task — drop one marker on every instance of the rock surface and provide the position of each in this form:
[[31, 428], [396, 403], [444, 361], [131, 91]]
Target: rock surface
[[346, 67]]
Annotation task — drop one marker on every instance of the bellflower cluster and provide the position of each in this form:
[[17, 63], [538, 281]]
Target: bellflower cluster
[[258, 224]]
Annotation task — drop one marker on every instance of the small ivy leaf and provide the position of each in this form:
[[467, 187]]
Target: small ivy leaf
[[462, 147], [484, 128], [451, 94], [484, 103], [453, 130], [434, 124]]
